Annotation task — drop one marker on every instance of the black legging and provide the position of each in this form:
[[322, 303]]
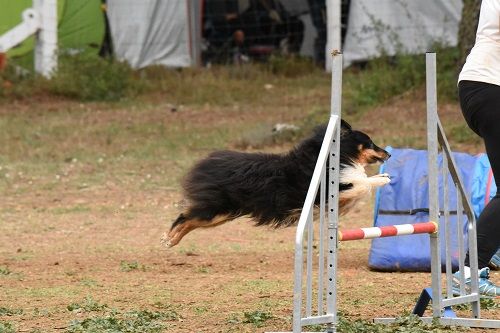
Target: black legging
[[480, 104]]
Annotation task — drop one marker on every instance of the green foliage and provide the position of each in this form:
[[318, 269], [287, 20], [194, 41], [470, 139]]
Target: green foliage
[[404, 324], [489, 304], [386, 77], [257, 317], [10, 312], [127, 266], [6, 327], [291, 66], [485, 303], [16, 82], [88, 305], [4, 270], [167, 310], [88, 77], [143, 321]]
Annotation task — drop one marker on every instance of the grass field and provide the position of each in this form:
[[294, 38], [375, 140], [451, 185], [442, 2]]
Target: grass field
[[88, 188]]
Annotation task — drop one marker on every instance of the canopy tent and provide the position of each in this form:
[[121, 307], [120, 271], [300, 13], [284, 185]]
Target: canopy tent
[[391, 26], [156, 34]]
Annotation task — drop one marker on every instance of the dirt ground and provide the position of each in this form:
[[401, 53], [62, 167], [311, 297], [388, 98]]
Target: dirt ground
[[59, 246]]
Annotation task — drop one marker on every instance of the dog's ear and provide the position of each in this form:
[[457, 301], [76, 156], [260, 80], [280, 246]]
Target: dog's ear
[[345, 128]]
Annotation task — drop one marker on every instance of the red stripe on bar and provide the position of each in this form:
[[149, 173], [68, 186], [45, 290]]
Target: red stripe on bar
[[425, 227], [352, 234], [389, 231]]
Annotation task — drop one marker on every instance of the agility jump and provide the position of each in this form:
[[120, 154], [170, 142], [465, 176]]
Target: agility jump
[[318, 272]]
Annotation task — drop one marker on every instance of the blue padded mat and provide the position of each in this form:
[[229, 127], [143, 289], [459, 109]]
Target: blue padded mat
[[406, 200]]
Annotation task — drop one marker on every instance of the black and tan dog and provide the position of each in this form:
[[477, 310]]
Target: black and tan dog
[[271, 188]]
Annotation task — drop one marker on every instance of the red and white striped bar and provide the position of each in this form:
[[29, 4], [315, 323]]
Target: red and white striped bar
[[388, 231]]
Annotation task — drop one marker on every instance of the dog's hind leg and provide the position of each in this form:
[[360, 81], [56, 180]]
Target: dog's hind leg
[[182, 225]]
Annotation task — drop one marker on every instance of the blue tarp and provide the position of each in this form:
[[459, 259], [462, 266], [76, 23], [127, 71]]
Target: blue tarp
[[406, 200]]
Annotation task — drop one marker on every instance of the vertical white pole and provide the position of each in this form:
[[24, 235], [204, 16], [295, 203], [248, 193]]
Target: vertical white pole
[[333, 30], [46, 38], [432, 155], [333, 192]]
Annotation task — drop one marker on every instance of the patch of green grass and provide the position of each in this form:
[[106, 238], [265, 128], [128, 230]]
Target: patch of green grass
[[128, 266], [41, 312], [168, 311], [262, 286], [88, 305], [4, 270], [386, 77], [143, 321], [489, 304], [10, 312], [88, 77], [257, 318], [292, 66], [404, 324], [485, 304], [88, 282], [315, 328], [233, 319], [6, 327], [203, 269], [200, 309], [18, 84]]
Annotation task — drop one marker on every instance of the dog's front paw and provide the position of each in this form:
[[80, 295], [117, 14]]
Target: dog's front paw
[[382, 179], [382, 175]]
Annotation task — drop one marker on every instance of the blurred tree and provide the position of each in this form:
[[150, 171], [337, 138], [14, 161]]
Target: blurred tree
[[467, 29]]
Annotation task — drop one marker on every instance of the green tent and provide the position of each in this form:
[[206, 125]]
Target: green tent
[[80, 24]]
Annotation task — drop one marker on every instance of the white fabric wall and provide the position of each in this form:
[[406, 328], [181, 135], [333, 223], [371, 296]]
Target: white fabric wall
[[392, 26], [150, 32]]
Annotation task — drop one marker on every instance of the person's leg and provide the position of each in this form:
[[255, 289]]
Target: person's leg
[[480, 104], [488, 231], [481, 107]]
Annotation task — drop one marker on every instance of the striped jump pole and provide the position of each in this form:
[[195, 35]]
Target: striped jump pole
[[388, 231]]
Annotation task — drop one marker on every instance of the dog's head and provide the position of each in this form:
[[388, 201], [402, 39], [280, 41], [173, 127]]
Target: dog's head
[[357, 146]]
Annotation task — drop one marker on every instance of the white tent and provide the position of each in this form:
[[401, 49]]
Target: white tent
[[392, 26], [151, 32]]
